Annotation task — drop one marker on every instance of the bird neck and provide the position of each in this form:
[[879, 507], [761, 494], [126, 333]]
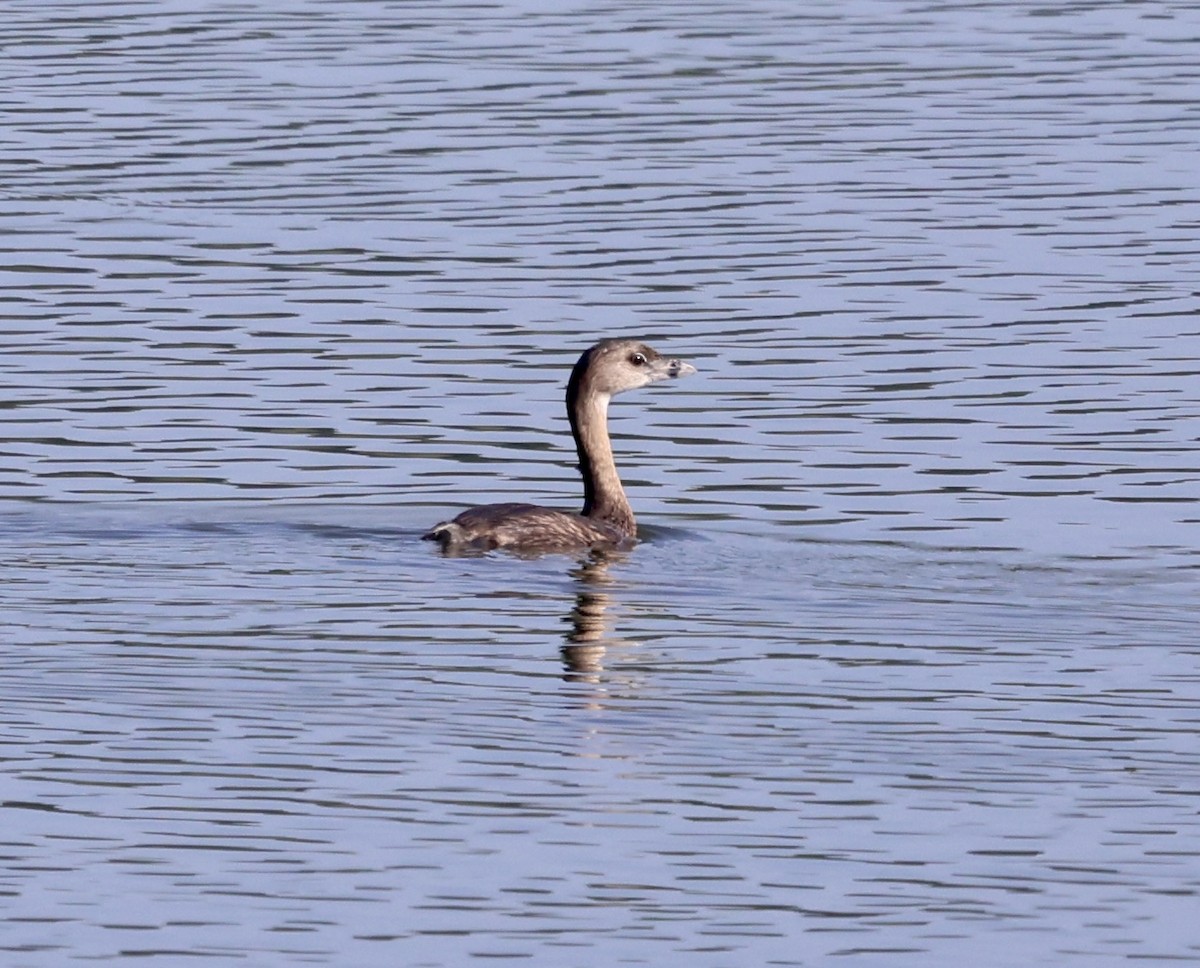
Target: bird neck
[[603, 496]]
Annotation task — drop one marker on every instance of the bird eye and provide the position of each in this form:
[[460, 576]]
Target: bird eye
[[638, 359]]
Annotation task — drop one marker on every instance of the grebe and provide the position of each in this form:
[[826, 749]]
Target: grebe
[[611, 366]]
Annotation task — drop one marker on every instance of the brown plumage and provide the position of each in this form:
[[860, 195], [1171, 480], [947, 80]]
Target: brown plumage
[[611, 366]]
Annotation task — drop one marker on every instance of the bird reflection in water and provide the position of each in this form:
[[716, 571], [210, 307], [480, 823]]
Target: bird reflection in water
[[588, 641]]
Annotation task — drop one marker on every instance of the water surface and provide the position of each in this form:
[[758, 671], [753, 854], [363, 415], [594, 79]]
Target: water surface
[[905, 671]]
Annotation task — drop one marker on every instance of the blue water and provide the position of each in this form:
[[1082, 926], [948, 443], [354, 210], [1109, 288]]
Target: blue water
[[905, 671]]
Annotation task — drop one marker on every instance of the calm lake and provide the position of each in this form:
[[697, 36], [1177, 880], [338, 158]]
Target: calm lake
[[906, 670]]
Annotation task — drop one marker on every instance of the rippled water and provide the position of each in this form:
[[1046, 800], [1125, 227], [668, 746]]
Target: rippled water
[[905, 672]]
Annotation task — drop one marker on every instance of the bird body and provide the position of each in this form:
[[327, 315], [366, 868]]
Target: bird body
[[611, 366]]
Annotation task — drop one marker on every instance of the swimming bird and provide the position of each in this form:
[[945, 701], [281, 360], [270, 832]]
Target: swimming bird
[[610, 367]]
